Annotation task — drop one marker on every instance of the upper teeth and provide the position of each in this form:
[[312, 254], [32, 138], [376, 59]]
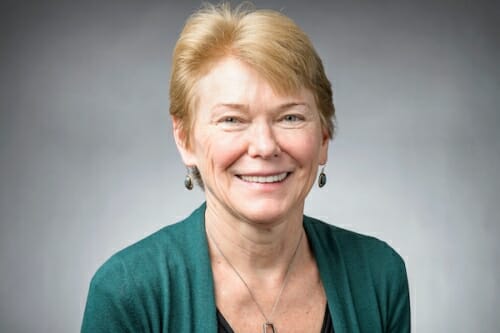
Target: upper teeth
[[266, 179]]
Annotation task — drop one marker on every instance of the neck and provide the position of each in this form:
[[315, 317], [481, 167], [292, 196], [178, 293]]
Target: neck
[[259, 249]]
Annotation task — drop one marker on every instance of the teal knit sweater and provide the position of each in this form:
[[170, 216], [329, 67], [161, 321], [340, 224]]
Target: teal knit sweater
[[164, 282]]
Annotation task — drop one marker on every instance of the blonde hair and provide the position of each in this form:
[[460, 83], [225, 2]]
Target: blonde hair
[[268, 41]]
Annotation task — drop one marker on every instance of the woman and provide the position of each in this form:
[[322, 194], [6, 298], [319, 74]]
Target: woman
[[253, 115]]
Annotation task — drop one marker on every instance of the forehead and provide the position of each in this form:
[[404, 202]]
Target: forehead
[[233, 81]]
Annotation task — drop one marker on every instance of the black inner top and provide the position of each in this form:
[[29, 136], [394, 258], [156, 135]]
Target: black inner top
[[224, 327]]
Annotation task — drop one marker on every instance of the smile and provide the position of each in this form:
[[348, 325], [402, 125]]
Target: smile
[[265, 179]]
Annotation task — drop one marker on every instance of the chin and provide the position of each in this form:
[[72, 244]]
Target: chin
[[266, 215]]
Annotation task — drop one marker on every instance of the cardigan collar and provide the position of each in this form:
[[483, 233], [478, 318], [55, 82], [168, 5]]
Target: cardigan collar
[[330, 265]]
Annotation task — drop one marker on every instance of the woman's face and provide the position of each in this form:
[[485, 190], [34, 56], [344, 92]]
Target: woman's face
[[257, 152]]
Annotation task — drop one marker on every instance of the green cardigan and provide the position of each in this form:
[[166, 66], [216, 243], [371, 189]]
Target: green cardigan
[[164, 282]]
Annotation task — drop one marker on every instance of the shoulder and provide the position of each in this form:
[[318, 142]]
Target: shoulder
[[146, 261], [355, 250], [365, 269], [135, 288]]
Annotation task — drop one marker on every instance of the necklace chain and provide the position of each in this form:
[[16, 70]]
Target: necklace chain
[[268, 319]]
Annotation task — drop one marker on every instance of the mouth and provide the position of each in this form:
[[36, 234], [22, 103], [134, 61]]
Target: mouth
[[265, 179]]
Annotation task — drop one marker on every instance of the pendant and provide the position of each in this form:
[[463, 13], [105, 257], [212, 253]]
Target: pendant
[[268, 327]]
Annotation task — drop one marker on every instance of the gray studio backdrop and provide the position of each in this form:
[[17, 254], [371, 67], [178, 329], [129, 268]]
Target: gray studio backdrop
[[88, 163]]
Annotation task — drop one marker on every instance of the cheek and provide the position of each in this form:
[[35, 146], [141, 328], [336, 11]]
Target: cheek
[[218, 152], [303, 148]]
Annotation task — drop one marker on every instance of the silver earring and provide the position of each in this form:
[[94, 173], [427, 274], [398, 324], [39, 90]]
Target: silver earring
[[188, 182], [322, 178]]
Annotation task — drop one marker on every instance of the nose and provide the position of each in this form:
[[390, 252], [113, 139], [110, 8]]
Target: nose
[[262, 141]]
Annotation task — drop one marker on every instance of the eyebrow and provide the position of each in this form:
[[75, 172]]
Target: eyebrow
[[280, 107], [292, 104], [231, 106]]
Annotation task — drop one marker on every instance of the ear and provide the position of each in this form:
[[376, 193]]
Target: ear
[[180, 136], [323, 150]]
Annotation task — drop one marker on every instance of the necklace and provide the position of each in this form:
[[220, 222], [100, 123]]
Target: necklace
[[268, 326]]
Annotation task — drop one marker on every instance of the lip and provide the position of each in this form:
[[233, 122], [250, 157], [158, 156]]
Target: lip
[[268, 178]]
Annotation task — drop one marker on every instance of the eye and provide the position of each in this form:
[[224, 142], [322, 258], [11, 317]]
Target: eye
[[231, 123], [230, 120], [292, 118]]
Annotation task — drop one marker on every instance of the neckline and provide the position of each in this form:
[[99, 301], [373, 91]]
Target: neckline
[[223, 325]]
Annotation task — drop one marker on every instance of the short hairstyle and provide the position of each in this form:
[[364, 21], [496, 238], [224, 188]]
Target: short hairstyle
[[266, 40]]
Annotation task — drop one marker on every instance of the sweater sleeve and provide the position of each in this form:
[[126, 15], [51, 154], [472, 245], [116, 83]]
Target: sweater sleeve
[[109, 307], [399, 303]]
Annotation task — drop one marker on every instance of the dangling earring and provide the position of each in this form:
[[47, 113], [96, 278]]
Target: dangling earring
[[188, 181], [322, 178]]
